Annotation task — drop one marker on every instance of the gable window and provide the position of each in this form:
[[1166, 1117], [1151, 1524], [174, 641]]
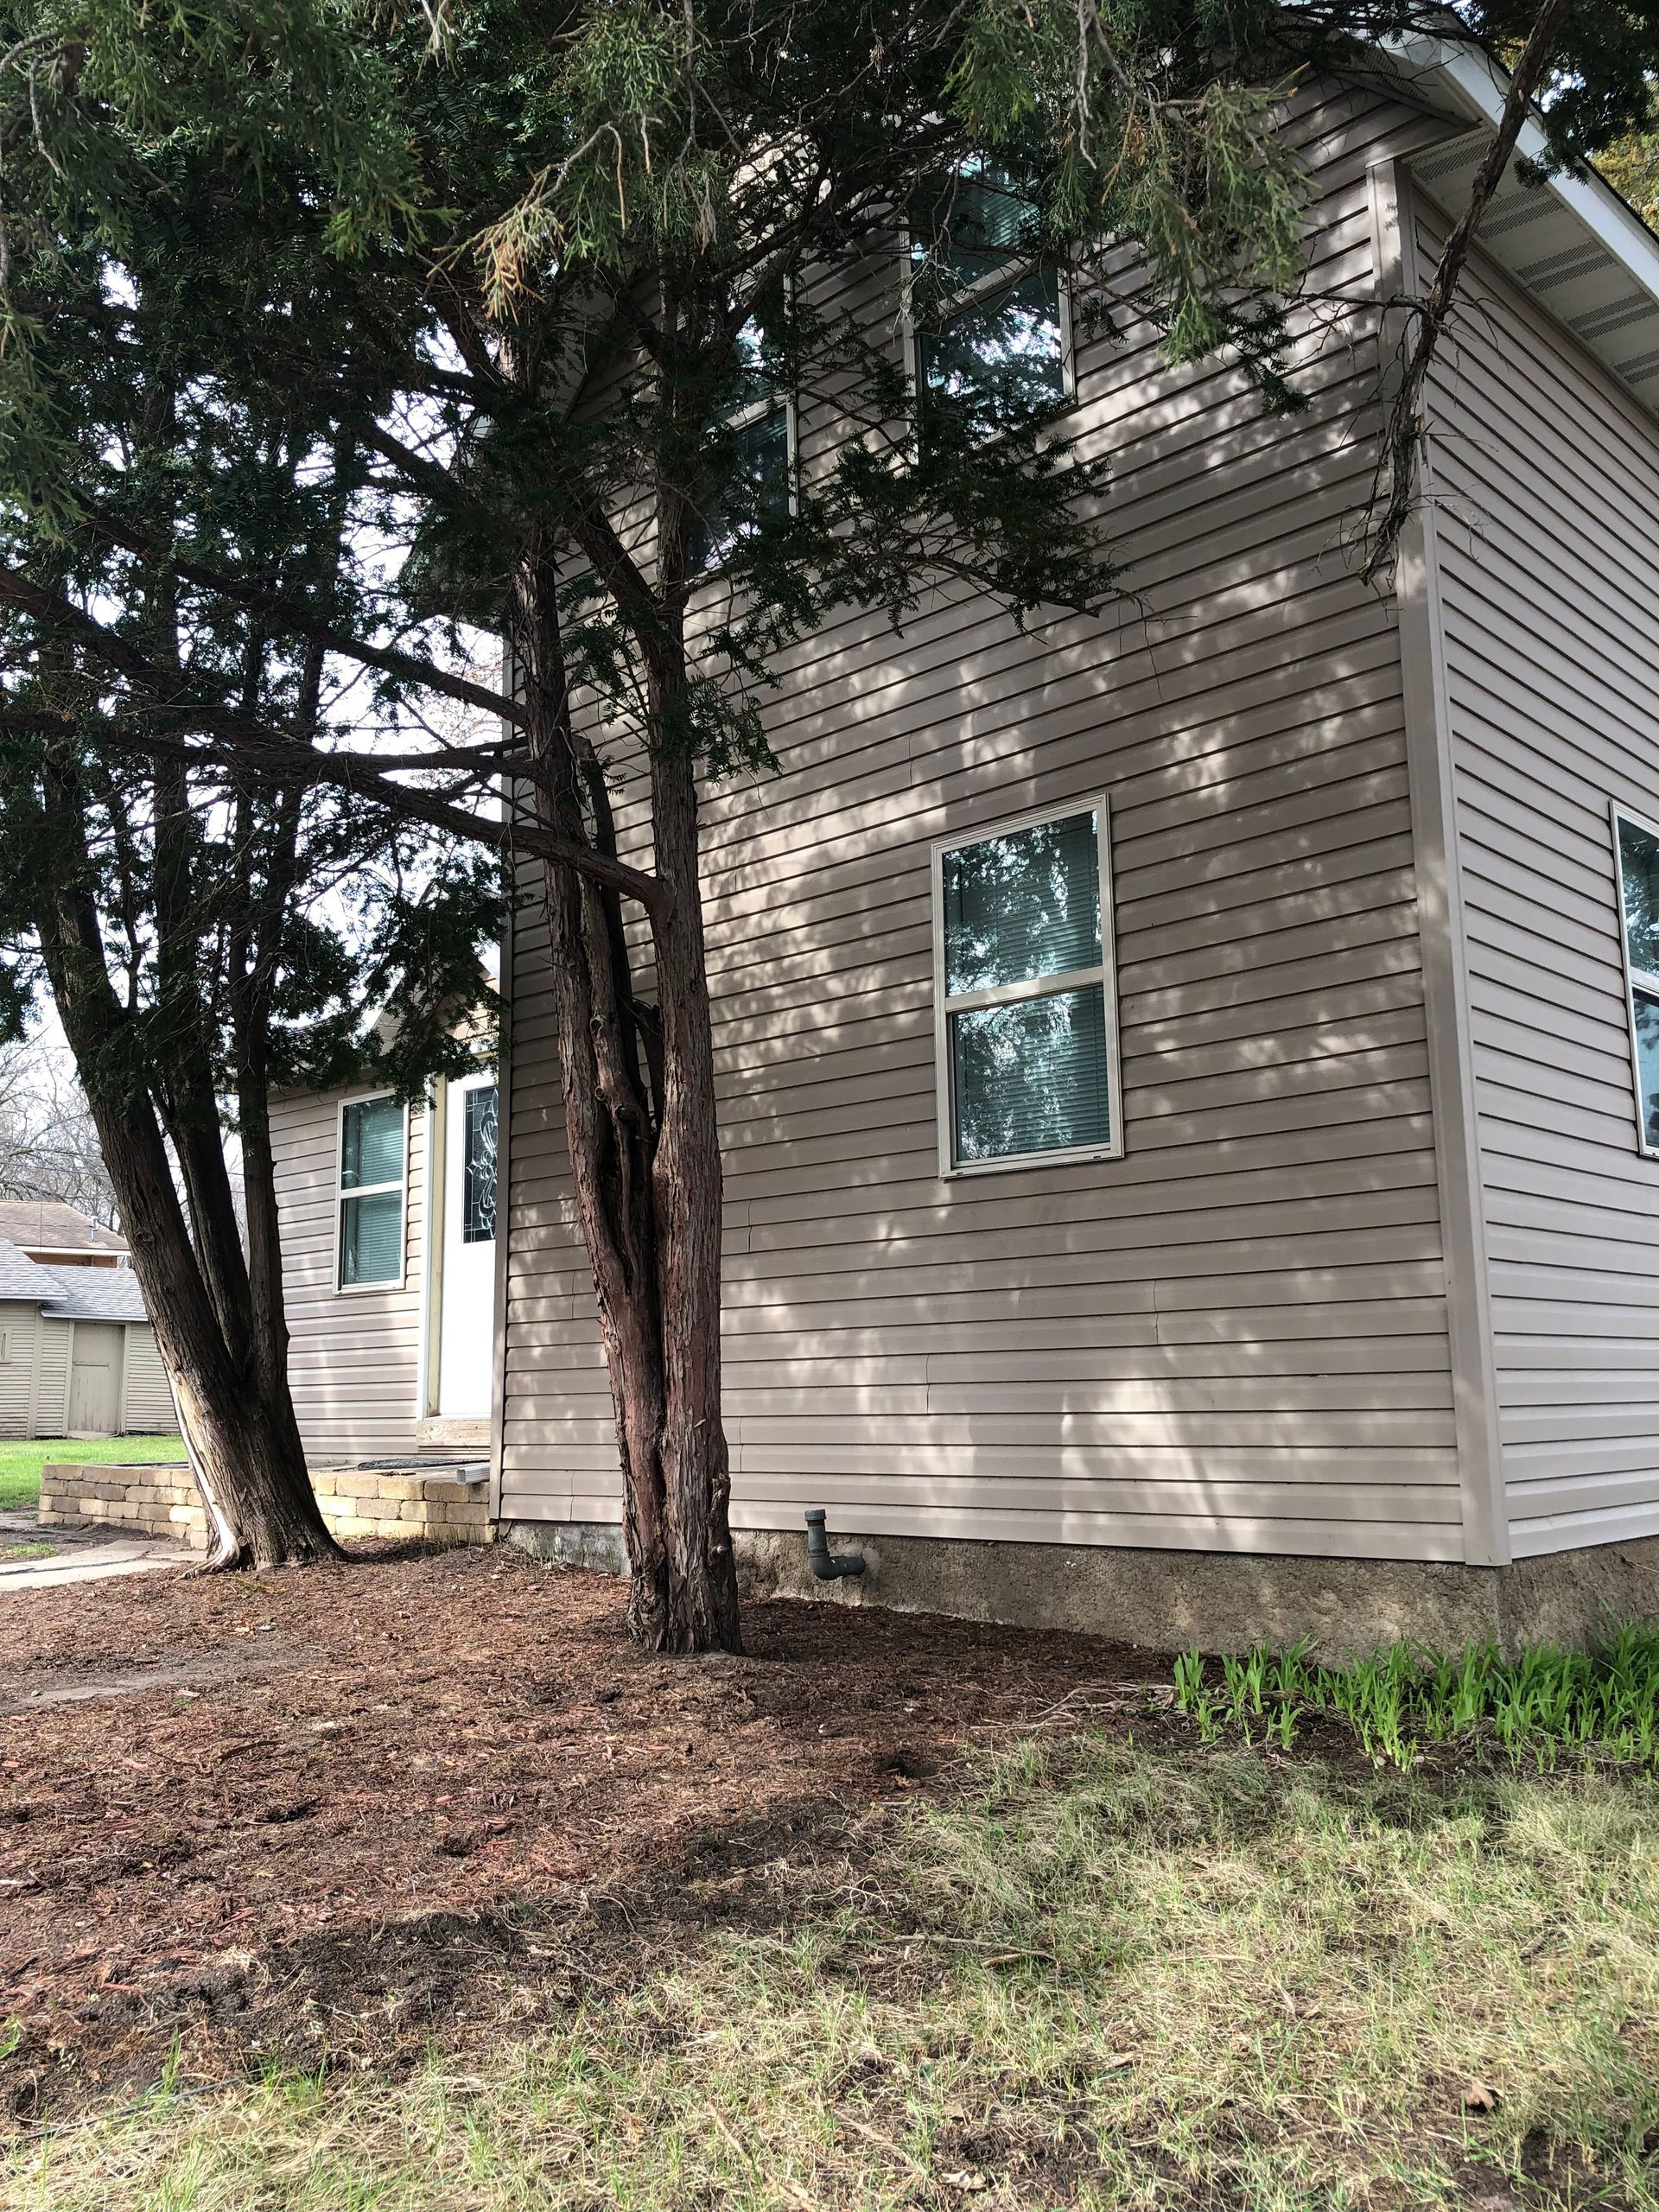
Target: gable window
[[990, 321], [759, 435], [373, 1134], [1639, 915], [1024, 993]]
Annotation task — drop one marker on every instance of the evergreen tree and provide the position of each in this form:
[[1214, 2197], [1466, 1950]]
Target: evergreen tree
[[205, 935]]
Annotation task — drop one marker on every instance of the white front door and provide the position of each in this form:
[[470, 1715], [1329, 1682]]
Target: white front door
[[466, 1305]]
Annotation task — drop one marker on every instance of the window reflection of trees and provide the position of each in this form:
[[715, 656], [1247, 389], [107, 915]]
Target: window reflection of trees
[[1647, 1065], [990, 337], [1638, 854], [1025, 904], [1031, 1075]]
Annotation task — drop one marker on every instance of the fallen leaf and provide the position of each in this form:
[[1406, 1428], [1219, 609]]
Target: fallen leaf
[[968, 2181]]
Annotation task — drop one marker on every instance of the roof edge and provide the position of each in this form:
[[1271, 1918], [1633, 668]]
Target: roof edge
[[1481, 88]]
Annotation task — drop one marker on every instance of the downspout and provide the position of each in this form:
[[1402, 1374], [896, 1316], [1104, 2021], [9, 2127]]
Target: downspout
[[828, 1565]]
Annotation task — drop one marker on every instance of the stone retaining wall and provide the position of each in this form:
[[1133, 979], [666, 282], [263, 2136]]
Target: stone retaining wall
[[161, 1501], [140, 1500]]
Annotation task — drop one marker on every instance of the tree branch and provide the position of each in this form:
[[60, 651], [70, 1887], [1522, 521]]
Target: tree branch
[[1403, 436], [273, 755], [285, 615]]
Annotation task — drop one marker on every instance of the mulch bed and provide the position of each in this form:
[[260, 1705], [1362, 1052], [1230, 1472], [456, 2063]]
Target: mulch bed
[[331, 1815]]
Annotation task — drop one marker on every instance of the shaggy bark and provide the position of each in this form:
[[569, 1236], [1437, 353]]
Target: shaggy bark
[[641, 1129]]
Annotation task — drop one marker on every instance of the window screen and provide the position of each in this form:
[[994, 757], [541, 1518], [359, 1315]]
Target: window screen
[[371, 1193], [1638, 893], [1028, 1055]]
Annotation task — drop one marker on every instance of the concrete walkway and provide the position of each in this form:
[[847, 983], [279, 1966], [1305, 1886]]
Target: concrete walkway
[[78, 1555]]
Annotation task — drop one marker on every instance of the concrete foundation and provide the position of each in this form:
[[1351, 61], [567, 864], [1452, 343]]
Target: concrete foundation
[[1168, 1600]]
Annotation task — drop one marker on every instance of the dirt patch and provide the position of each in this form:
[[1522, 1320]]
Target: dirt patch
[[340, 1812], [92, 1686]]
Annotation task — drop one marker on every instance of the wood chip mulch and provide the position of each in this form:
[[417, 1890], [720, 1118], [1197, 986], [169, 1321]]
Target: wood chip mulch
[[328, 1815]]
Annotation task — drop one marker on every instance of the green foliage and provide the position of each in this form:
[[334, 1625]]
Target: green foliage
[[1602, 1704]]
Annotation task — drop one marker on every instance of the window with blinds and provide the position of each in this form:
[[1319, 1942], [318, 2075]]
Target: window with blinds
[[372, 1133], [1638, 914], [1024, 1009]]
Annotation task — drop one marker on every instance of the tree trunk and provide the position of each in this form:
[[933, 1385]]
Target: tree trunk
[[242, 1440], [238, 1424], [645, 1169], [688, 1187]]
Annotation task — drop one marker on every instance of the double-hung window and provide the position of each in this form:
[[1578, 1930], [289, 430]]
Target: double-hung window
[[1638, 913], [1024, 993], [757, 474], [373, 1134], [990, 319]]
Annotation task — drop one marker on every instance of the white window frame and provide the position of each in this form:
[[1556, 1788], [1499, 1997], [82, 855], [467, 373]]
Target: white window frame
[[343, 1290], [1636, 979], [1035, 987], [1013, 271]]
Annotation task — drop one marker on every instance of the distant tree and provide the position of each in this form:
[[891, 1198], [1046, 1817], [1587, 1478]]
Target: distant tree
[[49, 1143], [534, 278]]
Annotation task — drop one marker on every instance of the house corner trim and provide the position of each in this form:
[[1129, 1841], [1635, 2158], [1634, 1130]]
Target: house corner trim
[[1441, 936]]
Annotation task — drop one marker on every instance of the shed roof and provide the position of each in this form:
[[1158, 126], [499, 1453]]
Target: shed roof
[[94, 1294], [47, 1225], [21, 1278]]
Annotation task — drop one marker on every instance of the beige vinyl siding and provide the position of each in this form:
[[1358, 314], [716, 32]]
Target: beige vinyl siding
[[353, 1356], [147, 1402], [21, 1324], [52, 1377], [1546, 536], [1235, 1337]]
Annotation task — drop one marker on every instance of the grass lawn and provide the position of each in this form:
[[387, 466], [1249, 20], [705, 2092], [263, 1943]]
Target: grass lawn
[[1089, 1974], [21, 1460]]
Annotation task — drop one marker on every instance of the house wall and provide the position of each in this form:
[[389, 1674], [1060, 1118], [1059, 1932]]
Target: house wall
[[1234, 1338], [21, 1324], [52, 1377], [147, 1400], [353, 1356], [1545, 528]]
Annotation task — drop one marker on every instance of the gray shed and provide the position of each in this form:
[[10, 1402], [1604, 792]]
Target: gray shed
[[78, 1355]]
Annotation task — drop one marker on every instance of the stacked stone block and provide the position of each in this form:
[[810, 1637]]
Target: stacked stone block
[[355, 1502]]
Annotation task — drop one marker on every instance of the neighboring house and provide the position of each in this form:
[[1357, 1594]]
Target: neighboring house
[[387, 1216], [60, 1235], [1190, 1086], [78, 1355]]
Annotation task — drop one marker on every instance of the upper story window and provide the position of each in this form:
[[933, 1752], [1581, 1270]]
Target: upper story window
[[990, 319], [762, 429], [373, 1134], [1025, 998], [1638, 914]]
